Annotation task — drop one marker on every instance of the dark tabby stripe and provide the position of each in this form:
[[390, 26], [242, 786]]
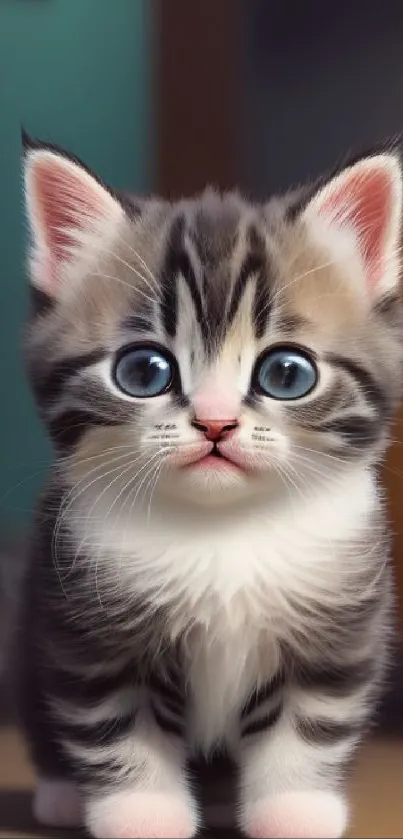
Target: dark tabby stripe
[[93, 776], [357, 430], [138, 323], [180, 400], [252, 398], [251, 266], [130, 203], [40, 303], [389, 308], [49, 385], [263, 694], [261, 306], [351, 620], [169, 296], [324, 732], [256, 241], [67, 428], [172, 705], [263, 723], [336, 681], [167, 723], [102, 733], [92, 690], [290, 322], [363, 379], [177, 263], [186, 270], [171, 693]]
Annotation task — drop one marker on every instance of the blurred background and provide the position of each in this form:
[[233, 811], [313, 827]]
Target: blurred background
[[168, 96]]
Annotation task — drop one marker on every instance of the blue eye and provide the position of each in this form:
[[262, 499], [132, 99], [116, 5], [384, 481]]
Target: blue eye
[[285, 373], [143, 372]]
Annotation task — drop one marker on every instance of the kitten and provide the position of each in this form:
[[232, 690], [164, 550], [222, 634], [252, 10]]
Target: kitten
[[209, 566]]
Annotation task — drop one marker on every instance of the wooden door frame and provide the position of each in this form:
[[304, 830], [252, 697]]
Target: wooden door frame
[[196, 91]]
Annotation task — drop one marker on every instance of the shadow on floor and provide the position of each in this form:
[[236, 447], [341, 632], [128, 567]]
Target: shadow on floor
[[16, 817]]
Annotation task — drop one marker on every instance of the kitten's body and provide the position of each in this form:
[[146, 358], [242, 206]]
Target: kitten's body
[[234, 594], [174, 610]]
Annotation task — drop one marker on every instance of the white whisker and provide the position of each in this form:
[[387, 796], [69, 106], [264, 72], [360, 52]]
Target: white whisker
[[282, 289], [137, 255], [153, 487], [104, 491], [127, 285], [72, 497], [132, 269], [150, 464]]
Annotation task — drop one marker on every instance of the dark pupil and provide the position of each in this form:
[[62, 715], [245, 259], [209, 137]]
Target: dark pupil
[[145, 372], [283, 374]]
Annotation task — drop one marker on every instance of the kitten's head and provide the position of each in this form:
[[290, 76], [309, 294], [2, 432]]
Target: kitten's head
[[214, 349]]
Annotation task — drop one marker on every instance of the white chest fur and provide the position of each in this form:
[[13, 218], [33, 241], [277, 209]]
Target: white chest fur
[[232, 580]]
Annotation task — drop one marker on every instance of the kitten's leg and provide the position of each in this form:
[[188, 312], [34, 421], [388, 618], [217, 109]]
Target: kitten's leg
[[56, 802], [132, 766], [123, 747], [146, 794], [293, 753]]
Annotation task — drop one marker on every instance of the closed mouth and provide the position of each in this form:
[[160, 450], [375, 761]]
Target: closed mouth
[[213, 456], [215, 452]]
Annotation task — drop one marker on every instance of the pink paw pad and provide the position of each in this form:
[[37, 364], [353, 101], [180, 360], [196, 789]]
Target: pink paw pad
[[57, 804], [141, 815], [297, 815]]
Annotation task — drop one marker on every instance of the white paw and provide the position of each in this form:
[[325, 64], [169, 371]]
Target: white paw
[[57, 804], [141, 815], [296, 815]]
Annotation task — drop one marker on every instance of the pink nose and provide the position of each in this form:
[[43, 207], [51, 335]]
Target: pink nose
[[215, 430]]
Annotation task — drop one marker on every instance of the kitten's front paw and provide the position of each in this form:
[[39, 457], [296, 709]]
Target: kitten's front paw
[[141, 815], [296, 815]]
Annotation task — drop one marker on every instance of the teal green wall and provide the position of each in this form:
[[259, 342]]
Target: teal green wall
[[75, 72]]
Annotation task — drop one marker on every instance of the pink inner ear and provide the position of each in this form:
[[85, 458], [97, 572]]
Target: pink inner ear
[[364, 199], [65, 204]]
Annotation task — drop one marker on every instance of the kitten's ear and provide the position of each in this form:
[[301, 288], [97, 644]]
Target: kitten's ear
[[71, 215], [360, 211]]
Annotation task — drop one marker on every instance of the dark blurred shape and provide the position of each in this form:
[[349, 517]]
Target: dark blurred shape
[[390, 720], [12, 567], [321, 80]]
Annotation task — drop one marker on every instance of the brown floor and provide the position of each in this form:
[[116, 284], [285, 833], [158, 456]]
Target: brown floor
[[376, 791]]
